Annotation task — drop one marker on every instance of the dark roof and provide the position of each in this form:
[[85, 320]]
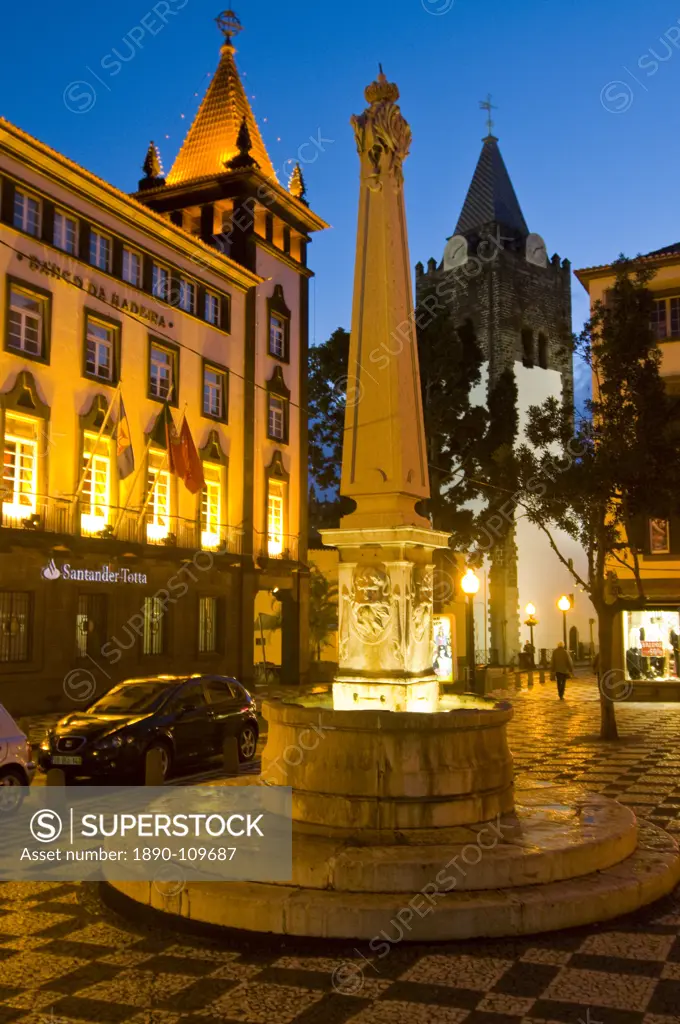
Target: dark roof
[[491, 197], [667, 250]]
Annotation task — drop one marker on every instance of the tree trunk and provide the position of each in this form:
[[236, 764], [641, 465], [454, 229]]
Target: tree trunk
[[605, 621]]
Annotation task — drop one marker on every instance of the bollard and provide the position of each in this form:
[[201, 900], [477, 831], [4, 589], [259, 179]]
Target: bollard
[[230, 761], [541, 677], [55, 777], [153, 768]]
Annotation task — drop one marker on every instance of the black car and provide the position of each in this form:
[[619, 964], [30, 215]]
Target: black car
[[185, 717]]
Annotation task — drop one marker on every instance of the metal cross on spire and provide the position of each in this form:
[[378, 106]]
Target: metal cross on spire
[[488, 106]]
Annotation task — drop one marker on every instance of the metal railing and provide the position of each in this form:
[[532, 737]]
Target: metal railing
[[65, 516], [279, 546]]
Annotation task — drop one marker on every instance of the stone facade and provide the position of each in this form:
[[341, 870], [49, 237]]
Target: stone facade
[[520, 307]]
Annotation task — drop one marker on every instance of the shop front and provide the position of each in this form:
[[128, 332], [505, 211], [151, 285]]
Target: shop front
[[652, 644], [73, 623]]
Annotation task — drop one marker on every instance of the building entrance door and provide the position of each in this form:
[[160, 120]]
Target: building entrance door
[[91, 625]]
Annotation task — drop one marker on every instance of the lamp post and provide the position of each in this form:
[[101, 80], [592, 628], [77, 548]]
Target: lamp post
[[531, 621], [564, 604], [470, 586]]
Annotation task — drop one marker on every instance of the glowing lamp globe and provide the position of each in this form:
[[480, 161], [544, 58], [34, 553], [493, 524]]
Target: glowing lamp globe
[[530, 609], [470, 583], [564, 604]]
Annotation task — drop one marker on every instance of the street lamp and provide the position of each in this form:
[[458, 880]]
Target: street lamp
[[470, 586], [531, 621], [564, 604]]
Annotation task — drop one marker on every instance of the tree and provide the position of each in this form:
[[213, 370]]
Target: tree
[[326, 407], [323, 610], [450, 367], [601, 480]]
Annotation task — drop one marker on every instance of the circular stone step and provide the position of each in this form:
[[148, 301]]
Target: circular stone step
[[651, 872], [555, 833]]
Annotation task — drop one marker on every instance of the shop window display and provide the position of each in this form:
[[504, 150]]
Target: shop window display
[[652, 639]]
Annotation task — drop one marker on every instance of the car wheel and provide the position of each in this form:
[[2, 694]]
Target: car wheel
[[166, 758], [12, 777], [247, 743]]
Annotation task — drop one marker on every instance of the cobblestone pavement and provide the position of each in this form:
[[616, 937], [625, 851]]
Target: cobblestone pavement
[[66, 958]]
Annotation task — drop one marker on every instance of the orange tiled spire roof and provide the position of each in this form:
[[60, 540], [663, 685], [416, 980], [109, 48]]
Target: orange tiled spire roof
[[212, 139]]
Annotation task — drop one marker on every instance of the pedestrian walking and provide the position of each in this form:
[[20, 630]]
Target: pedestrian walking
[[561, 668]]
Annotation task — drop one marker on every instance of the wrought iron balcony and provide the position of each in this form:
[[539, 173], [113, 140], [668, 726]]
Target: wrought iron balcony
[[64, 516]]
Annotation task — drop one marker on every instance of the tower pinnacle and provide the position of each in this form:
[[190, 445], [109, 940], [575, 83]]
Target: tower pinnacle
[[488, 106], [229, 24]]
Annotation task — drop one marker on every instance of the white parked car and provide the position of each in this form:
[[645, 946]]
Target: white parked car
[[16, 763]]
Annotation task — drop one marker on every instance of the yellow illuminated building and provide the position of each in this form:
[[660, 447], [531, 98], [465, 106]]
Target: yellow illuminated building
[[647, 644], [191, 296]]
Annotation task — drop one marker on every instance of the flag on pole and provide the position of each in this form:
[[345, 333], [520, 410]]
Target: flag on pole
[[187, 461], [125, 456], [164, 435]]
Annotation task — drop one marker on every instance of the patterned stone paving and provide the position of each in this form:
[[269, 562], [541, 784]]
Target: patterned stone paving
[[66, 958]]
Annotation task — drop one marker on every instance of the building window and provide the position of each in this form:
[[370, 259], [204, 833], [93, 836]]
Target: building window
[[207, 625], [153, 637], [659, 537], [674, 312], [160, 282], [276, 426], [652, 644], [187, 296], [96, 492], [158, 504], [211, 508], [100, 250], [212, 309], [65, 232], [161, 372], [275, 516], [20, 470], [26, 323], [15, 625], [543, 351], [277, 336], [100, 340], [26, 213], [665, 322], [527, 348], [132, 267], [215, 393], [90, 624]]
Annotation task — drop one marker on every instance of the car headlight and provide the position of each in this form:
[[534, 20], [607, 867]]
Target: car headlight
[[110, 742]]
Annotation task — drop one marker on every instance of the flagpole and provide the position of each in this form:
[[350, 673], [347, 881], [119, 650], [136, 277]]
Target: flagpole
[[86, 470], [137, 475], [163, 464], [152, 489]]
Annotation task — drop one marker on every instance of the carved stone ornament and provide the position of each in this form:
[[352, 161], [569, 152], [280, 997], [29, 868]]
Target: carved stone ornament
[[382, 133], [423, 589], [370, 605]]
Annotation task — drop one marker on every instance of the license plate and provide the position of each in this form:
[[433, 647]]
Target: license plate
[[58, 759]]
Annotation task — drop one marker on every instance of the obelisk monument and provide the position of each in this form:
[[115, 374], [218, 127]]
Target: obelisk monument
[[386, 547]]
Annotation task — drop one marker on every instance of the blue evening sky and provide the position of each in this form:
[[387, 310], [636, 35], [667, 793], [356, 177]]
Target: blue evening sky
[[587, 95]]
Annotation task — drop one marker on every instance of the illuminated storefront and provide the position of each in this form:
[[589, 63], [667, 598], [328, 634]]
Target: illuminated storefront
[[444, 647], [652, 644]]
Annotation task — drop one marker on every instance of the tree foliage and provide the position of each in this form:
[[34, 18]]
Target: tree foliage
[[450, 366], [323, 611], [601, 480]]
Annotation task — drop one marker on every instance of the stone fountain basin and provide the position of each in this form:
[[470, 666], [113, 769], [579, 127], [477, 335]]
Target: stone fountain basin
[[372, 769]]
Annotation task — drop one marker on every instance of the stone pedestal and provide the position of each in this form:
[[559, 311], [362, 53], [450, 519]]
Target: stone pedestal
[[385, 771]]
